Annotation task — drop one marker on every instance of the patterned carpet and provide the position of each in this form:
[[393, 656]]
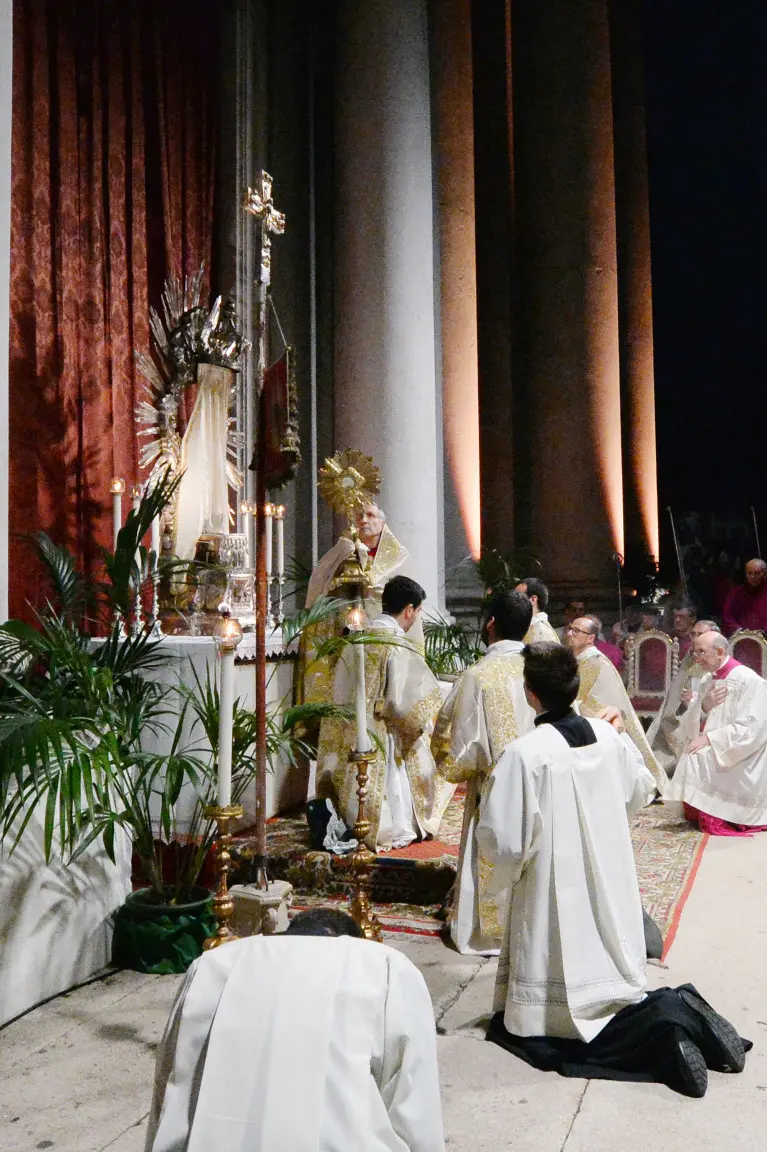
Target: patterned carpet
[[410, 884]]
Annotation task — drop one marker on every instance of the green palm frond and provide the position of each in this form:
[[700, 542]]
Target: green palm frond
[[496, 569], [324, 608], [72, 590], [449, 648]]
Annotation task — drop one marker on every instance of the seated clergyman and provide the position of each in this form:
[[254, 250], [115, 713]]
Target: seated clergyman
[[299, 1042], [722, 775], [571, 992], [405, 797], [665, 734], [601, 687]]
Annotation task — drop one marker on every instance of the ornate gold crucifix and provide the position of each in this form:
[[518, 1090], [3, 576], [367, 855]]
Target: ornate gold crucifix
[[261, 205]]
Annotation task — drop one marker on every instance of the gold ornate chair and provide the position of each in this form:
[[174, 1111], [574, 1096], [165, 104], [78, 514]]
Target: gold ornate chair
[[653, 661], [750, 648]]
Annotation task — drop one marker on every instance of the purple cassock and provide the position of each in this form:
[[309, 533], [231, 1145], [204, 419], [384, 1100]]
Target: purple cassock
[[746, 607], [612, 652]]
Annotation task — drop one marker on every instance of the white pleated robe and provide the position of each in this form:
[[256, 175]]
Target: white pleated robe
[[298, 1044], [728, 779], [486, 709], [555, 820]]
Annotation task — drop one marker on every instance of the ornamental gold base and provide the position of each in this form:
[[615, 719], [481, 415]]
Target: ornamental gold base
[[361, 859], [223, 904]]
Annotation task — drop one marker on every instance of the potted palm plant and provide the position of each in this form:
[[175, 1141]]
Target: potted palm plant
[[80, 723]]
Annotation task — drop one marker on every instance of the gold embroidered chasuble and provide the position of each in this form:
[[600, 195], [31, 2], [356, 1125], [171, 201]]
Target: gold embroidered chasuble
[[601, 686], [403, 699], [540, 629], [314, 675], [485, 711]]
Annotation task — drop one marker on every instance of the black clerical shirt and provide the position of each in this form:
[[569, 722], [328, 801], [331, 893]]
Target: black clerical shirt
[[576, 731]]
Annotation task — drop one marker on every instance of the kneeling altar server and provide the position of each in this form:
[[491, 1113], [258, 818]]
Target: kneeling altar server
[[297, 1043]]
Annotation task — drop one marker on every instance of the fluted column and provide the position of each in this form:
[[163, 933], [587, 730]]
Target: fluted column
[[6, 94], [454, 138], [565, 200], [632, 202], [386, 400]]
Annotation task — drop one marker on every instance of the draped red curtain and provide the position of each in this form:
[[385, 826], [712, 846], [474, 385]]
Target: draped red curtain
[[113, 181]]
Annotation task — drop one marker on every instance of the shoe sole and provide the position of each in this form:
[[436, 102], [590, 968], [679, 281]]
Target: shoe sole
[[722, 1045], [692, 1069]]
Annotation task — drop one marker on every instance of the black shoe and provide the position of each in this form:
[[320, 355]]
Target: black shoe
[[720, 1044], [689, 1072]]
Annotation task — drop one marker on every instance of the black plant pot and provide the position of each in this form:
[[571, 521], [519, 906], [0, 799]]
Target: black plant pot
[[161, 938]]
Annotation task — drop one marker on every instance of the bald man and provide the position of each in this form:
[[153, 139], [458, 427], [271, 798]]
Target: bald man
[[721, 778], [746, 606]]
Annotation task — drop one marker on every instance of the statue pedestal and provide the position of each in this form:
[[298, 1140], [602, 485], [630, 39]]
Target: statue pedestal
[[258, 912]]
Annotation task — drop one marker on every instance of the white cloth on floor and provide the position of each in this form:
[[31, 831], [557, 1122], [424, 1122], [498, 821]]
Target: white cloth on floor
[[298, 1044]]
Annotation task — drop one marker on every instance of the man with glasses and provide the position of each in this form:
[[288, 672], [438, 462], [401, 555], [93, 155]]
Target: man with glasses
[[601, 687]]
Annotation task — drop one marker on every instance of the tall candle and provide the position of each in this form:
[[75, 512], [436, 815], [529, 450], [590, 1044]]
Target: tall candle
[[225, 724], [362, 741], [156, 540], [117, 488], [279, 513], [227, 636], [136, 497], [268, 546], [246, 520]]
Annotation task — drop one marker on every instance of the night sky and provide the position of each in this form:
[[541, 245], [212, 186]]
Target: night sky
[[706, 71]]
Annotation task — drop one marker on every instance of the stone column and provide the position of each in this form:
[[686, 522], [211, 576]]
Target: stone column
[[496, 274], [632, 203], [565, 201], [386, 399], [6, 94], [454, 139]]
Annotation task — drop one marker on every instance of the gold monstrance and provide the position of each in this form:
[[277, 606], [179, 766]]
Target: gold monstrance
[[348, 481]]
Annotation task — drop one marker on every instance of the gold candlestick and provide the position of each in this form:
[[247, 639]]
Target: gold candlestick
[[361, 858], [223, 905]]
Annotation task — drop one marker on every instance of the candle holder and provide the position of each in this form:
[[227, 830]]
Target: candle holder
[[223, 904], [360, 860], [280, 601]]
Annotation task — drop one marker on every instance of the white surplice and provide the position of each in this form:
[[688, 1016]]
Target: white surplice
[[541, 629], [728, 778], [298, 1044], [665, 733], [601, 686], [556, 821], [486, 709], [405, 797]]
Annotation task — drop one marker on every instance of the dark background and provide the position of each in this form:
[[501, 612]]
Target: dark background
[[706, 79]]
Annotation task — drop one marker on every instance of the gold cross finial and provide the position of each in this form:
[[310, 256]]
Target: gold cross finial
[[261, 205]]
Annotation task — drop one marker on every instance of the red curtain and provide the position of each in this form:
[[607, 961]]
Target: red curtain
[[113, 155]]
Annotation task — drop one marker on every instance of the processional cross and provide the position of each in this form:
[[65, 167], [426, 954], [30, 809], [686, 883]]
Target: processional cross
[[259, 203]]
